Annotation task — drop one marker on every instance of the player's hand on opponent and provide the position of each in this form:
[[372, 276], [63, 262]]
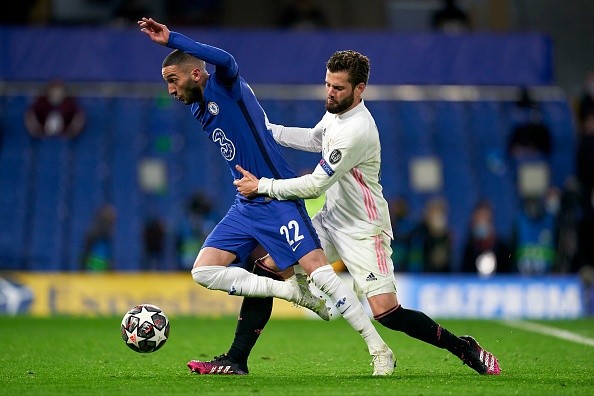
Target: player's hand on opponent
[[157, 32], [248, 184]]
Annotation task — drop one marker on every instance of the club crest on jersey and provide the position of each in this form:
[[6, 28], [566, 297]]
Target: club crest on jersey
[[335, 156], [327, 168], [213, 108]]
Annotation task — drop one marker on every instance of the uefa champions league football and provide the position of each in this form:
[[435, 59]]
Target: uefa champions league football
[[145, 328]]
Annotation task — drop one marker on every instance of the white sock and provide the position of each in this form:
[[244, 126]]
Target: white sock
[[348, 305], [237, 281]]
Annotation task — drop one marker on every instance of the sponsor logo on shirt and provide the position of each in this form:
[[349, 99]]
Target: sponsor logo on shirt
[[326, 167], [213, 108], [335, 156]]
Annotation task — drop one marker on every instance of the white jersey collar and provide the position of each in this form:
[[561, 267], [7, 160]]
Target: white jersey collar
[[352, 111]]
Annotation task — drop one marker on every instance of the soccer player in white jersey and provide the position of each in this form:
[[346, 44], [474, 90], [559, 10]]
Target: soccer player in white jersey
[[354, 224]]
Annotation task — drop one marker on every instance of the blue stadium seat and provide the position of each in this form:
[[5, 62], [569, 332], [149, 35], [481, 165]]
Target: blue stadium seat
[[128, 126], [455, 146], [15, 157], [490, 126], [394, 172], [559, 117], [49, 211], [69, 180], [90, 171], [416, 119]]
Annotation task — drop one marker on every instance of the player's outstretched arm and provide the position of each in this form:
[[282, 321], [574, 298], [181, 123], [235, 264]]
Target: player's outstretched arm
[[224, 62], [157, 32]]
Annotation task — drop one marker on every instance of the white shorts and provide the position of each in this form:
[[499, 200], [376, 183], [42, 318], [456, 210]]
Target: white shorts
[[367, 259]]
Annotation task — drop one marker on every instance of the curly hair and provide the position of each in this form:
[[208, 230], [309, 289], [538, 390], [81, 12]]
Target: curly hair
[[354, 63]]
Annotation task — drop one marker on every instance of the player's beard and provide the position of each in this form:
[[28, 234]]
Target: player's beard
[[193, 96], [191, 93], [342, 106]]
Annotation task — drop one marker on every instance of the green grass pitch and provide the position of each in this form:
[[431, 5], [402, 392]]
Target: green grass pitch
[[86, 356]]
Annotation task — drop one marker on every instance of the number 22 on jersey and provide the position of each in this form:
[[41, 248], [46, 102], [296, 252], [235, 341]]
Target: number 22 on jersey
[[291, 232]]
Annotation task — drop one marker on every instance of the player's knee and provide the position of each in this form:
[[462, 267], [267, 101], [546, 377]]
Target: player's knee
[[207, 275], [382, 299], [314, 261]]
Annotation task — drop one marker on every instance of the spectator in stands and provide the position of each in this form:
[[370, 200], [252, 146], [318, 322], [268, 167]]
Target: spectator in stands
[[97, 255], [530, 137], [194, 228], [585, 174], [585, 158], [485, 251], [585, 260], [401, 228], [54, 113], [153, 237], [568, 218], [303, 15], [586, 102], [587, 277], [450, 18], [430, 248], [586, 235], [534, 237]]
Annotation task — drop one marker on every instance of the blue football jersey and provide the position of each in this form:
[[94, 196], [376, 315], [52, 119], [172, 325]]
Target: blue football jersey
[[232, 117]]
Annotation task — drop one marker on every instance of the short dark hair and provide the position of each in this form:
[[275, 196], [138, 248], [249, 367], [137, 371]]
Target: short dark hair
[[354, 63], [177, 57]]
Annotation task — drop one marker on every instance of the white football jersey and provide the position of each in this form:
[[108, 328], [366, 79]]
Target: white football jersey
[[348, 172]]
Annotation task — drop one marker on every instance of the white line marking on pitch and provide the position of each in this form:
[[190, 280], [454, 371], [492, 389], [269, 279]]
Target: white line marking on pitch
[[550, 331]]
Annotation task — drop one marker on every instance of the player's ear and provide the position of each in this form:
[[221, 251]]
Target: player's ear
[[196, 74], [360, 88]]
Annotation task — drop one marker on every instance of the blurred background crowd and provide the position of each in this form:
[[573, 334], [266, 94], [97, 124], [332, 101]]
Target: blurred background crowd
[[531, 211]]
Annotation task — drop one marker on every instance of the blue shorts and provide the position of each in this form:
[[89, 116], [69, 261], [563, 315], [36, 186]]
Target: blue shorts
[[283, 228]]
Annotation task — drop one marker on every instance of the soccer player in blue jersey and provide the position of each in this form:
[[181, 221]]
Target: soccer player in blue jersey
[[232, 118]]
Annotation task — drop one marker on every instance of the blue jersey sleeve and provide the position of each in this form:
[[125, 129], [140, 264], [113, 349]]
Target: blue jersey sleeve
[[224, 62]]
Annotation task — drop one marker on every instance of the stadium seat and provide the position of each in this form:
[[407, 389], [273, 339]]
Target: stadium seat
[[455, 146], [50, 204], [128, 126], [559, 118], [394, 172], [90, 173], [14, 166], [68, 181], [490, 128]]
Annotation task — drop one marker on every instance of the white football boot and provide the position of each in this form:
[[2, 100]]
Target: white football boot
[[307, 299], [383, 362]]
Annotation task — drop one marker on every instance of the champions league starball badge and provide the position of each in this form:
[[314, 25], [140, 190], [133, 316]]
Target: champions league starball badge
[[335, 156]]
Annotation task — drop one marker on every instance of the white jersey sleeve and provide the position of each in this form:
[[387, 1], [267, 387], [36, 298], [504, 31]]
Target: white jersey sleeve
[[345, 151], [304, 139]]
